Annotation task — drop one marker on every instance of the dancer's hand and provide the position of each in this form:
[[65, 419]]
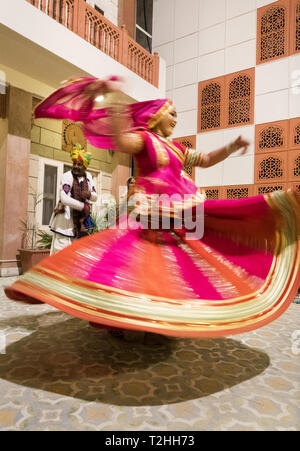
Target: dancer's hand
[[102, 87], [239, 143], [95, 89]]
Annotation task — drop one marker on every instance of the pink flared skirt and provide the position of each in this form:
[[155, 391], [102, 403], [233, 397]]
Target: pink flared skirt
[[242, 274]]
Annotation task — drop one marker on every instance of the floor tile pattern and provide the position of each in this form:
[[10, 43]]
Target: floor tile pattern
[[58, 373]]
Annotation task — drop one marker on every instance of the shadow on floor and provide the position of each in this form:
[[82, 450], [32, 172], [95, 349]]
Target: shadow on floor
[[66, 356]]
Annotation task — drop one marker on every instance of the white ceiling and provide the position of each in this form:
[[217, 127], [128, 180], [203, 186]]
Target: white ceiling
[[25, 56]]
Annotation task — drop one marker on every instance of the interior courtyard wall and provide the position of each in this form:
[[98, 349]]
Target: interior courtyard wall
[[201, 40]]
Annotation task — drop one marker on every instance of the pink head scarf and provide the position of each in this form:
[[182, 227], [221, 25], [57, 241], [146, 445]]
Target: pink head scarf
[[147, 114], [72, 102]]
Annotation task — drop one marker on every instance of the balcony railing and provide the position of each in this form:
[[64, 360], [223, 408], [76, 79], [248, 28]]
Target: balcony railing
[[81, 18]]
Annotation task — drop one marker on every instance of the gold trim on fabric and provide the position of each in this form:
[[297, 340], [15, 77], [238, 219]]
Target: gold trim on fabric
[[160, 150], [175, 151], [189, 315], [159, 144], [193, 157], [168, 317]]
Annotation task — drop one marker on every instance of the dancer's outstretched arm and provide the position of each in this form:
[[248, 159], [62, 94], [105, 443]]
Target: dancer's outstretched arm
[[197, 158], [216, 156]]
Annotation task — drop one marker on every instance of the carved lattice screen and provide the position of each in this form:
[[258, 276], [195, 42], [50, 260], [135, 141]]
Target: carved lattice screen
[[294, 165], [270, 188], [211, 99], [294, 137], [277, 155], [271, 167], [226, 102], [239, 101], [271, 137], [295, 187], [238, 191], [213, 192], [295, 27], [273, 31]]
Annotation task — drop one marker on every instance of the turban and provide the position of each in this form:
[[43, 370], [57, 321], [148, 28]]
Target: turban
[[78, 153]]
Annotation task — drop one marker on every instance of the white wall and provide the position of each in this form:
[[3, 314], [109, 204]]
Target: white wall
[[203, 39]]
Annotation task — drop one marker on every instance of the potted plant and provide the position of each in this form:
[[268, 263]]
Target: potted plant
[[35, 243], [45, 240], [103, 219], [33, 250]]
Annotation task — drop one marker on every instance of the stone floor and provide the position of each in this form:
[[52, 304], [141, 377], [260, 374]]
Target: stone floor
[[58, 373]]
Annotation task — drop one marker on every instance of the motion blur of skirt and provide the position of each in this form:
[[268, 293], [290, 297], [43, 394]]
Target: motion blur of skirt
[[242, 274]]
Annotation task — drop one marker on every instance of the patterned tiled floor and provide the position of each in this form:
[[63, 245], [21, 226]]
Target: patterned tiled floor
[[58, 373]]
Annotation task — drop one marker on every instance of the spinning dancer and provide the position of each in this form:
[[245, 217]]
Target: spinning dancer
[[169, 280]]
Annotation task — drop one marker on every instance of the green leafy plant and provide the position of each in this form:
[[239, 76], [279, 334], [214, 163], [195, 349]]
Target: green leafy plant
[[104, 218], [29, 231], [45, 240], [29, 227]]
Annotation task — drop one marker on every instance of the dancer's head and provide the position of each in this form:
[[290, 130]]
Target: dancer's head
[[81, 160], [157, 115], [166, 123]]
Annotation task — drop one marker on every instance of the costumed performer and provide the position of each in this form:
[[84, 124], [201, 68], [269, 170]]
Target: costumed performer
[[71, 217], [240, 275]]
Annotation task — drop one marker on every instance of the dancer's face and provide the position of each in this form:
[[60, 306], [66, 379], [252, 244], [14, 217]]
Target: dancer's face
[[78, 168], [166, 125]]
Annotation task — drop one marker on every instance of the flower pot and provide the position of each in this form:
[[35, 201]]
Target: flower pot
[[31, 257]]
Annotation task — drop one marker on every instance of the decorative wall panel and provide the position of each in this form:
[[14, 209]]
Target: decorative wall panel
[[240, 93], [187, 141], [273, 31], [294, 27], [227, 101], [271, 137], [72, 134], [294, 135], [269, 188], [238, 191], [271, 167], [213, 192], [294, 165], [295, 187], [211, 98]]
